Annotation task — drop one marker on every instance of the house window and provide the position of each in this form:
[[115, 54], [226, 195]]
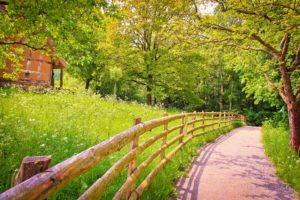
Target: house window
[[27, 73]]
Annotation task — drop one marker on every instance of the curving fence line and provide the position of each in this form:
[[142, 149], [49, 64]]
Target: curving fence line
[[190, 126]]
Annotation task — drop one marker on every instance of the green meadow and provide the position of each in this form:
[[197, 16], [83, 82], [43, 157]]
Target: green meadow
[[62, 124]]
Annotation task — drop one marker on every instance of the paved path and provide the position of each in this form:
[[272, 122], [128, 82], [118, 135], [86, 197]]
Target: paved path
[[235, 167]]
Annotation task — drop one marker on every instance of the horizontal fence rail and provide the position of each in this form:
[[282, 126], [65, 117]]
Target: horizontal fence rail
[[191, 125]]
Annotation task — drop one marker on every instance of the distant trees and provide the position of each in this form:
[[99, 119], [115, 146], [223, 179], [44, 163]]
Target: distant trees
[[168, 64]]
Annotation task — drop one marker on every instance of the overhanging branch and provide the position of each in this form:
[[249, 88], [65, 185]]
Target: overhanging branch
[[265, 44], [265, 16], [246, 33], [136, 81], [23, 44], [296, 62], [275, 88], [220, 27], [285, 45], [270, 83], [251, 49]]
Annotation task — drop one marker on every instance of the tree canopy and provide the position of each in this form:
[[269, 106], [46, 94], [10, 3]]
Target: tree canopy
[[193, 55]]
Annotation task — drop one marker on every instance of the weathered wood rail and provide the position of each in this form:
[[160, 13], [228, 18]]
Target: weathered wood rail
[[53, 179]]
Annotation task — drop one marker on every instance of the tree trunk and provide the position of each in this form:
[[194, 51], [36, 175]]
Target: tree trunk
[[230, 96], [221, 89], [293, 106], [221, 97], [149, 96], [294, 122], [87, 83], [115, 90], [155, 101]]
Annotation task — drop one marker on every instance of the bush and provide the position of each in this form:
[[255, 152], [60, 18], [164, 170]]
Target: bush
[[255, 118]]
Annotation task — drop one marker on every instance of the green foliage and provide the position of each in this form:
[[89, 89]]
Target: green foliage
[[280, 119], [155, 46], [35, 21], [255, 118], [261, 39], [156, 62], [276, 144], [251, 75]]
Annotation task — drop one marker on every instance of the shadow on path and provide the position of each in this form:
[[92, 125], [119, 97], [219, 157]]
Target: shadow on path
[[234, 167], [189, 186]]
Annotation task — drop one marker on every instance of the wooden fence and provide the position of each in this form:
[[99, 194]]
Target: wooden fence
[[191, 125]]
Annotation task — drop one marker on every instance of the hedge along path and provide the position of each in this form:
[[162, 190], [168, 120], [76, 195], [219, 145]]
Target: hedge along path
[[52, 180]]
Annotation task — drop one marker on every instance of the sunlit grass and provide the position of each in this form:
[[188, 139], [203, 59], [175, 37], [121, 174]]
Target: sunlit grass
[[62, 124], [276, 143]]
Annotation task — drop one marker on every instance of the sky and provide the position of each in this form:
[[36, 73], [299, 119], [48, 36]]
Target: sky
[[207, 8]]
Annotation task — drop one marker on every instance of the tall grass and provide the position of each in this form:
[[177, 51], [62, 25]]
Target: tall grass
[[61, 124], [276, 143]]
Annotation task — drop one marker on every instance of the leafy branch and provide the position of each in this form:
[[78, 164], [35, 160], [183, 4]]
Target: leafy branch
[[23, 44]]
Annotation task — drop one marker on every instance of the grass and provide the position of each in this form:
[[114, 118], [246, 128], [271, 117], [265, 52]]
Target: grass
[[276, 143], [61, 124]]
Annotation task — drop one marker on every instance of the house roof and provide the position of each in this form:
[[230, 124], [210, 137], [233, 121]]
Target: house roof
[[59, 63]]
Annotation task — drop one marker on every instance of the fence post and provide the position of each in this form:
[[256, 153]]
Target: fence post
[[183, 128], [244, 119], [164, 138], [31, 166], [228, 118], [203, 121], [193, 119], [220, 116], [133, 163], [213, 120]]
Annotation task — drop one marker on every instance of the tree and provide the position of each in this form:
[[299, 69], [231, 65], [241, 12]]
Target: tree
[[150, 24], [81, 50], [269, 28]]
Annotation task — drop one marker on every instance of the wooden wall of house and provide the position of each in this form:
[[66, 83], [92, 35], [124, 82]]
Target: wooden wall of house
[[36, 68]]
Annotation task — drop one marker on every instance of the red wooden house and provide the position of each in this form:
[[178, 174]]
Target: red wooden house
[[37, 67]]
